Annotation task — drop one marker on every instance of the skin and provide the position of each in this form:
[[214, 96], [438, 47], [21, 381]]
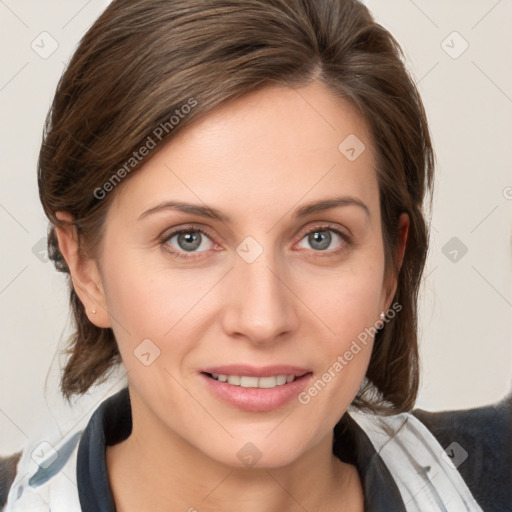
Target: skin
[[257, 160]]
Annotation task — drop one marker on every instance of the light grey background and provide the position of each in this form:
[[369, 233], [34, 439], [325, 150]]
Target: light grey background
[[466, 308]]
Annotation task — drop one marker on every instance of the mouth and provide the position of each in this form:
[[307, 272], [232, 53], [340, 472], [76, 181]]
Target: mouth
[[257, 393], [251, 381]]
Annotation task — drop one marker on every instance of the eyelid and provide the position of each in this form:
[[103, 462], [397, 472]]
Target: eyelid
[[183, 255], [327, 226], [323, 226], [169, 233]]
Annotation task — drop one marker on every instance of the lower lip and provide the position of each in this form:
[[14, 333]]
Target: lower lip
[[257, 399]]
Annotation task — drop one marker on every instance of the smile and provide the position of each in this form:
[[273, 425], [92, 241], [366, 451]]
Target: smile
[[246, 381], [256, 393]]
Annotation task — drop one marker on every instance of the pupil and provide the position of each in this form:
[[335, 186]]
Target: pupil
[[193, 239], [323, 238]]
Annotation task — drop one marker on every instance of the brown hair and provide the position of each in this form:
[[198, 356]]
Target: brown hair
[[142, 61]]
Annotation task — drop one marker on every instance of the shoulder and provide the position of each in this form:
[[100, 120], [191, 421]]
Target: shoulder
[[479, 442], [41, 477]]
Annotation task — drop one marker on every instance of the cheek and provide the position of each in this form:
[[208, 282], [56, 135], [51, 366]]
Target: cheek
[[347, 304], [153, 302], [347, 300]]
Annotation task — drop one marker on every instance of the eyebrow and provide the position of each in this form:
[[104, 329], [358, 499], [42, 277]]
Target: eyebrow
[[213, 213]]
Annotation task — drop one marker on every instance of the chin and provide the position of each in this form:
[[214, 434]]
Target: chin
[[260, 452]]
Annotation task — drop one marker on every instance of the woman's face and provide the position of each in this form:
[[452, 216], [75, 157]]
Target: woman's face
[[257, 279]]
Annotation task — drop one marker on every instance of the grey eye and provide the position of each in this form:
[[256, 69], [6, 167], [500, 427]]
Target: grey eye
[[320, 239], [189, 241]]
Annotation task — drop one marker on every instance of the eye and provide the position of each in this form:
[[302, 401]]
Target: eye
[[321, 238], [186, 242]]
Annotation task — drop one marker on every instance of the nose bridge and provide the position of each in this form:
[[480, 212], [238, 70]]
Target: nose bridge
[[260, 304]]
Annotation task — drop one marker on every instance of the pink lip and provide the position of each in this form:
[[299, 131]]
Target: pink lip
[[257, 399], [253, 371]]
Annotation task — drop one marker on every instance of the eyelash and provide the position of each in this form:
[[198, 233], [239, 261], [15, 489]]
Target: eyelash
[[192, 229], [180, 255]]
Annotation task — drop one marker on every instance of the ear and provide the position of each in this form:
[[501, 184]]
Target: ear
[[390, 288], [85, 273]]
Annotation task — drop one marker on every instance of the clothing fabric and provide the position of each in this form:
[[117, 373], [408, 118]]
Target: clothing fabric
[[402, 465]]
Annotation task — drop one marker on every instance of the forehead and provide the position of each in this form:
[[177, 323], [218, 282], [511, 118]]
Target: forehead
[[265, 152]]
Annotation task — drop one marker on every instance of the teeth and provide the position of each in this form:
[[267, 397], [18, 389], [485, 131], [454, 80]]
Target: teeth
[[234, 379], [245, 381], [248, 382], [268, 382]]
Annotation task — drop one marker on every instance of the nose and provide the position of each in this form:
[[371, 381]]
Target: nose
[[260, 304]]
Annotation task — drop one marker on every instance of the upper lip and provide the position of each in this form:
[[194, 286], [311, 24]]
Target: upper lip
[[253, 371]]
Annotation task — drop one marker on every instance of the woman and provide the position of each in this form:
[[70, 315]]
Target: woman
[[236, 190]]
